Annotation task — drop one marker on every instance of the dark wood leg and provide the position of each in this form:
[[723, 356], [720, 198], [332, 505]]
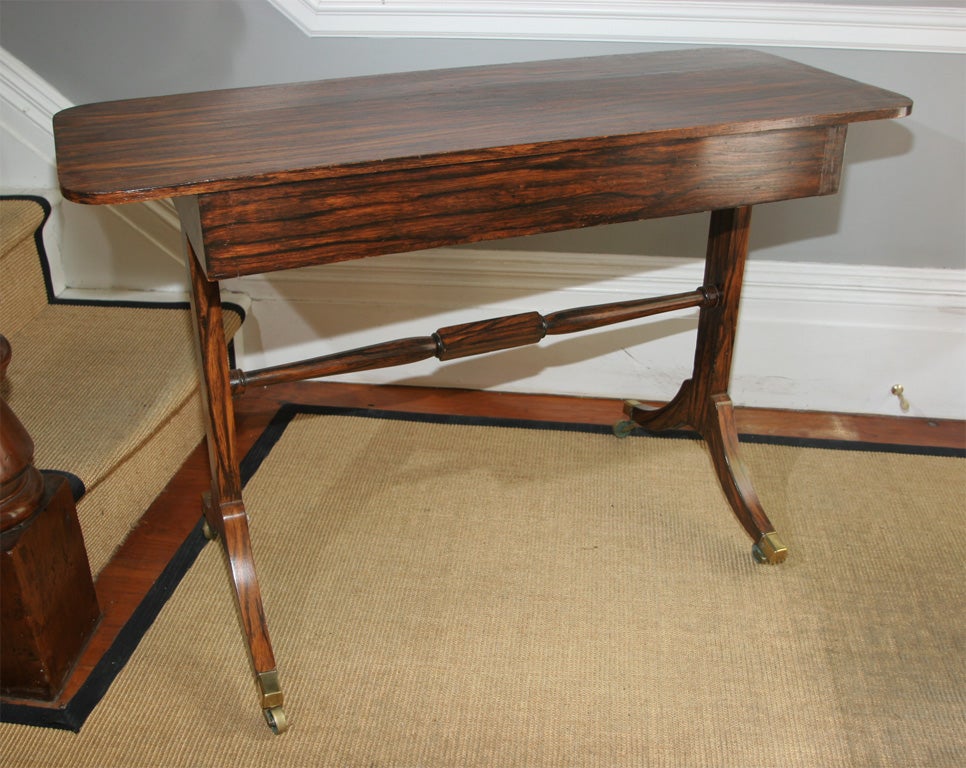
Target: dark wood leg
[[703, 402], [224, 509]]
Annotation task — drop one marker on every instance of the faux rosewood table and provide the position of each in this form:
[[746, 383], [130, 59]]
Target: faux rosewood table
[[276, 177]]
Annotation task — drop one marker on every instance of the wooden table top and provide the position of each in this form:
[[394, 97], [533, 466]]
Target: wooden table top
[[187, 144]]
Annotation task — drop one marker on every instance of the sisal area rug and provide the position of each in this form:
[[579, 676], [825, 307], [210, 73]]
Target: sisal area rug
[[465, 593]]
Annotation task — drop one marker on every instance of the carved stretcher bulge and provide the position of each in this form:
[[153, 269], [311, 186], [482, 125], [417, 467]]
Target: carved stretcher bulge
[[283, 176]]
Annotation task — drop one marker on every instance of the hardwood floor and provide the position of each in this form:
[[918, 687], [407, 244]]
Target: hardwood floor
[[899, 430], [142, 565]]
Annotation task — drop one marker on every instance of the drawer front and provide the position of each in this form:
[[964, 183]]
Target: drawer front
[[267, 228]]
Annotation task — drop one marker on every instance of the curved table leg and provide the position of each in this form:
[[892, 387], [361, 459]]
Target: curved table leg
[[721, 436], [702, 401], [225, 513], [675, 413]]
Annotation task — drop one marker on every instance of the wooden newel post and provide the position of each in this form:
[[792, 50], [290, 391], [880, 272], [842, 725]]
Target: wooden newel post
[[48, 607]]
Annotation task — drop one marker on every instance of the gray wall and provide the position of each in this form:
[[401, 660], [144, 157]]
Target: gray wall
[[904, 191]]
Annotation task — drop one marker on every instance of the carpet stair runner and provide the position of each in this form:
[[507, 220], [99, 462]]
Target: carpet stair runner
[[108, 392]]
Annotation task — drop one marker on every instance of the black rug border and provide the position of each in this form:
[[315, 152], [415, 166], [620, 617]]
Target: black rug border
[[288, 411]]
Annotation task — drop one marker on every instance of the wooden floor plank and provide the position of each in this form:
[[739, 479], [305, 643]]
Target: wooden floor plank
[[899, 430]]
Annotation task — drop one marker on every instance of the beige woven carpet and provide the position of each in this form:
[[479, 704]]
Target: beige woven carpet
[[467, 595]]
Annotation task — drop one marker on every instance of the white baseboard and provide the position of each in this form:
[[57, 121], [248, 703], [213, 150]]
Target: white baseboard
[[811, 336]]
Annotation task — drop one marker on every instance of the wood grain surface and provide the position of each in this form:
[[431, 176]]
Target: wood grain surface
[[164, 146]]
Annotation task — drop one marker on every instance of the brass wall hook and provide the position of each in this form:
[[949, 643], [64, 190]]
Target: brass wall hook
[[898, 390]]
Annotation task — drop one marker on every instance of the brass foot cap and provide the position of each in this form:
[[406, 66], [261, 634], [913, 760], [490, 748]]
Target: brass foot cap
[[270, 689], [769, 549]]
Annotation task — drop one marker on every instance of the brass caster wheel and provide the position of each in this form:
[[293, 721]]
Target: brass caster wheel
[[275, 717], [769, 549], [271, 698], [624, 428], [208, 531]]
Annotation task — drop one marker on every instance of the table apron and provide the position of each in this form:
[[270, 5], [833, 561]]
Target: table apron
[[267, 228]]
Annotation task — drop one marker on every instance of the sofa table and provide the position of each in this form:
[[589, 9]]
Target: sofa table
[[282, 176]]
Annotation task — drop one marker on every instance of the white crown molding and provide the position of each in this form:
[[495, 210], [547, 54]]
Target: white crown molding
[[937, 26]]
